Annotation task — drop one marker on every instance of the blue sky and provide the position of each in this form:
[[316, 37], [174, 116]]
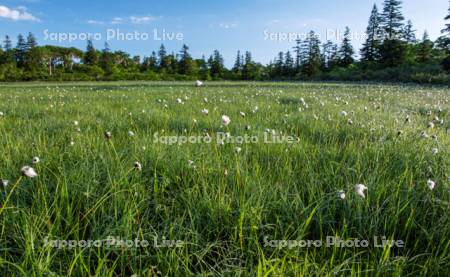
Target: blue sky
[[205, 25]]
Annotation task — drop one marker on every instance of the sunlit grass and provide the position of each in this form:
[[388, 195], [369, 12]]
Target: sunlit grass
[[220, 203]]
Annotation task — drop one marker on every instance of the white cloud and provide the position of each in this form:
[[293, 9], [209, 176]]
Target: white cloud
[[95, 22], [230, 25], [133, 19], [224, 25], [124, 20], [117, 20], [141, 19], [17, 14]]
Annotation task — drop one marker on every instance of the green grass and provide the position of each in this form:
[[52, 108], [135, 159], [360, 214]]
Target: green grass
[[90, 190]]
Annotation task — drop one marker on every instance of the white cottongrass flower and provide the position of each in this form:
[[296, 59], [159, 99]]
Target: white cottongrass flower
[[430, 125], [72, 143], [242, 114], [431, 184], [198, 83], [424, 135], [191, 164], [226, 120], [434, 151], [29, 172], [179, 101], [131, 133], [225, 173], [2, 114], [359, 190], [36, 160], [137, 166], [76, 123], [5, 183], [341, 194], [343, 113], [350, 121], [238, 150], [108, 135], [205, 111]]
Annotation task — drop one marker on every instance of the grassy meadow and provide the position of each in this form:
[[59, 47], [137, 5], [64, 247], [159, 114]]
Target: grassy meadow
[[105, 168]]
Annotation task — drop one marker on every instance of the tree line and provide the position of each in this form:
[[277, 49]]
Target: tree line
[[391, 52]]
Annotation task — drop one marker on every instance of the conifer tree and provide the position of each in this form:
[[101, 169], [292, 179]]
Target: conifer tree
[[444, 43], [409, 33], [447, 26], [216, 65], [162, 58], [248, 69], [329, 55], [20, 51], [346, 51], [298, 54], [172, 63], [392, 19], [31, 41], [370, 50], [393, 49], [33, 57], [237, 68], [150, 63], [288, 65], [313, 56], [153, 62], [425, 49], [7, 44], [106, 60], [90, 57], [203, 69], [334, 58], [185, 66], [279, 65]]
